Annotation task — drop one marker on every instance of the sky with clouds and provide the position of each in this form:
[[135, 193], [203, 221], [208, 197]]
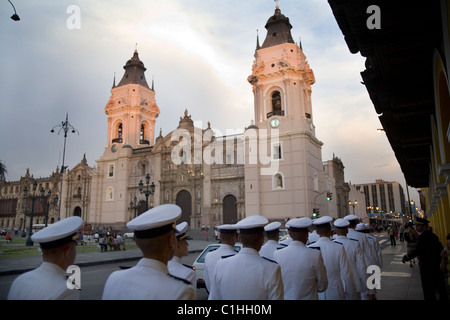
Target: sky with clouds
[[199, 53]]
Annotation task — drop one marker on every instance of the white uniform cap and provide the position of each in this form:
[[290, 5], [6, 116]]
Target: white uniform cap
[[351, 217], [323, 220], [180, 230], [58, 233], [272, 226], [341, 223], [299, 223], [252, 224], [227, 228], [156, 221], [360, 227]]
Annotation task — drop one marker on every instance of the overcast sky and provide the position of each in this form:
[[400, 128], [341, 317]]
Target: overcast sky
[[199, 53]]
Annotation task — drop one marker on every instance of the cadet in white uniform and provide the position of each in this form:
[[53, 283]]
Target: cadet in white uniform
[[228, 236], [373, 242], [175, 266], [340, 279], [246, 275], [363, 242], [49, 281], [302, 268], [354, 255], [150, 278], [272, 231]]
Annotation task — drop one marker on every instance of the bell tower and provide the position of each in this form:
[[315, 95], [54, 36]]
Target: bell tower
[[281, 81], [132, 109]]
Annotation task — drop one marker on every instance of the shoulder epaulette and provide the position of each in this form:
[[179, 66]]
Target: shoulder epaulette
[[353, 239], [270, 260], [227, 256], [188, 266], [179, 279], [317, 248]]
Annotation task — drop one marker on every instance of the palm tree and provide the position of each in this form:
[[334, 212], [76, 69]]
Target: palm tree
[[3, 171]]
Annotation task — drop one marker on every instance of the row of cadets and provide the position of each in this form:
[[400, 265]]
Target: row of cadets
[[175, 266], [246, 275], [354, 255], [228, 237], [303, 270], [341, 284], [369, 254], [150, 279]]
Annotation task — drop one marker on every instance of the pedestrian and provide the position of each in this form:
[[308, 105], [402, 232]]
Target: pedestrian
[[272, 231], [175, 266], [391, 234], [341, 284], [150, 278], [246, 275], [411, 237], [228, 236], [445, 265], [302, 269], [428, 249], [120, 241], [354, 256], [402, 233], [103, 244], [49, 281]]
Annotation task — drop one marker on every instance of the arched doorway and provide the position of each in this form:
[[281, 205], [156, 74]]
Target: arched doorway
[[229, 209], [184, 201], [77, 212]]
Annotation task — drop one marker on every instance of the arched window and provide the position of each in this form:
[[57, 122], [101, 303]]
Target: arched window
[[118, 134], [142, 139], [119, 131], [278, 181], [276, 101]]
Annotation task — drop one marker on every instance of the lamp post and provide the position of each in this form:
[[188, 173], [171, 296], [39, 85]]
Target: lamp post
[[353, 205], [147, 191], [48, 207], [133, 205], [15, 16], [65, 126], [33, 198]]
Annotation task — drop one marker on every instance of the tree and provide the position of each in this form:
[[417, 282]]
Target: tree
[[3, 171]]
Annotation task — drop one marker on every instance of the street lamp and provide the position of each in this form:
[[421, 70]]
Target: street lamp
[[133, 205], [353, 204], [33, 198], [147, 191], [65, 126], [15, 16]]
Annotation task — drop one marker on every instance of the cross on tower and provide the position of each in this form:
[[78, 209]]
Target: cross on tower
[[277, 3]]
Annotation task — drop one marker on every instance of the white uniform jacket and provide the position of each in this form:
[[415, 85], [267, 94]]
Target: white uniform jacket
[[340, 278], [148, 280], [373, 242], [302, 270], [356, 262], [268, 249], [178, 269], [247, 276], [47, 282], [224, 251]]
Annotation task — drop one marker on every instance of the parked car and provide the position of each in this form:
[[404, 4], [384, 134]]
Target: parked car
[[199, 263], [128, 235], [283, 234]]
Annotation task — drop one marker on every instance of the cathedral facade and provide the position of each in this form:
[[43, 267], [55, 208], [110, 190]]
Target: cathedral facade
[[274, 168]]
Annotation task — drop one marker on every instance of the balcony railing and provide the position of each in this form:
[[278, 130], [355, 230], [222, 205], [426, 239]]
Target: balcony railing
[[275, 113]]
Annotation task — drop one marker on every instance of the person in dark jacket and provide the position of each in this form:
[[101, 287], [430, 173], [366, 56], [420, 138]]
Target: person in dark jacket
[[428, 249]]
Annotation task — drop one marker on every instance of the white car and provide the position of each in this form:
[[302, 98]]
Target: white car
[[199, 263], [128, 235]]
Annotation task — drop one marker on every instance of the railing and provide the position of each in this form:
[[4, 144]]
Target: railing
[[275, 113]]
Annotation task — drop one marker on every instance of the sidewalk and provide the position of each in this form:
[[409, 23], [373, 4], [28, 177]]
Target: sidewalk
[[398, 280]]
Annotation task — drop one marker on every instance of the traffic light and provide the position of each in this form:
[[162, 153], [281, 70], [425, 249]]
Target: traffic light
[[316, 212], [329, 196]]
